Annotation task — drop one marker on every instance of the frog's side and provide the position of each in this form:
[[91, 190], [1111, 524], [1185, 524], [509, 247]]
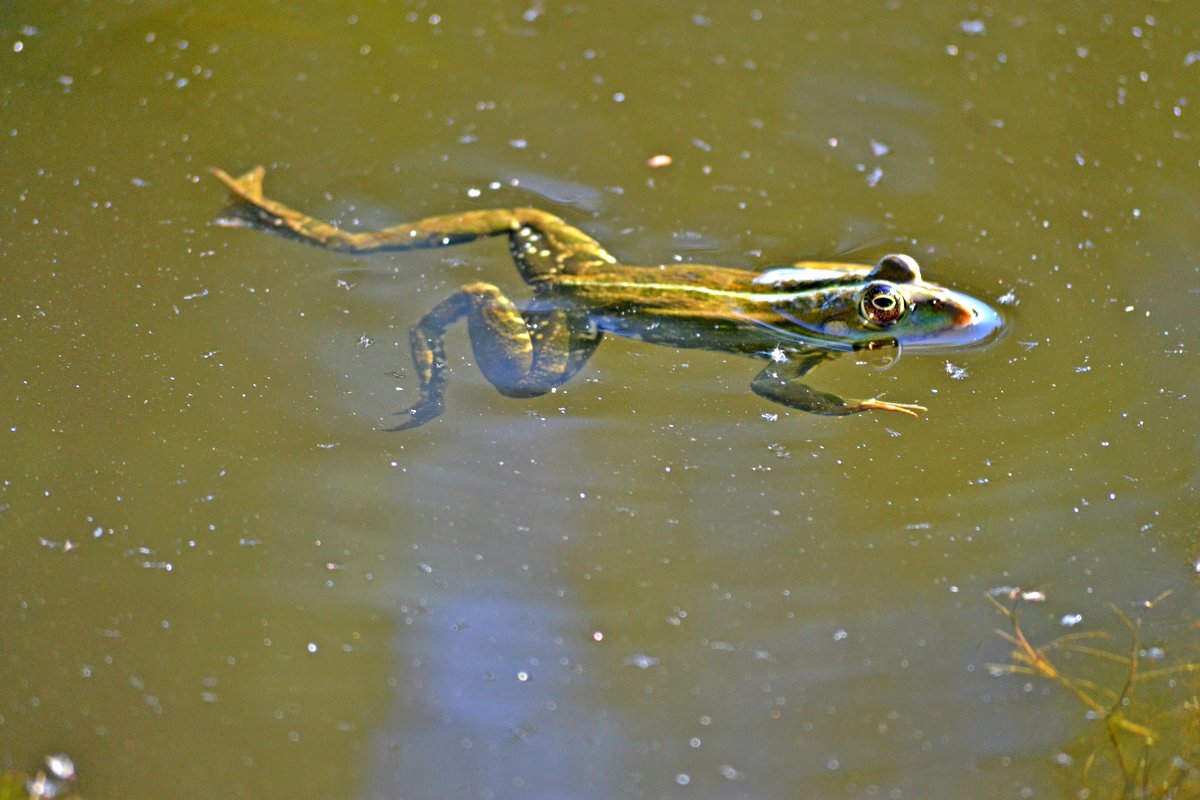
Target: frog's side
[[795, 318]]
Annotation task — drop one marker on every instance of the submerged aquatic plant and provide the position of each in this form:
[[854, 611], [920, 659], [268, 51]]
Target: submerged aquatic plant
[[1151, 748]]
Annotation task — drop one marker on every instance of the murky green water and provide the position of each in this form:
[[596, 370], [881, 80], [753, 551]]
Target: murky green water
[[221, 580]]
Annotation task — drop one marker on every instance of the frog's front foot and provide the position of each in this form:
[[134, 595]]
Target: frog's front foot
[[417, 415], [781, 383], [882, 405]]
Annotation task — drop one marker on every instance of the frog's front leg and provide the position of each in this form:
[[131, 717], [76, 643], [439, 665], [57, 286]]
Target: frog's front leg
[[522, 354], [780, 382]]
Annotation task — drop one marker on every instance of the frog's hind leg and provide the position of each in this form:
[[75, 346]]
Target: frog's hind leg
[[542, 245], [251, 208], [521, 354]]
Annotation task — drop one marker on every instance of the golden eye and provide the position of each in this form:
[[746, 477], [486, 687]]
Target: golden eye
[[882, 304]]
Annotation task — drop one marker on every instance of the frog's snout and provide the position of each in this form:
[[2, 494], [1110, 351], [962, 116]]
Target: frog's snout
[[978, 317]]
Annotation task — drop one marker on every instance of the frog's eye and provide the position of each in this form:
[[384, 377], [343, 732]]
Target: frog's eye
[[882, 304]]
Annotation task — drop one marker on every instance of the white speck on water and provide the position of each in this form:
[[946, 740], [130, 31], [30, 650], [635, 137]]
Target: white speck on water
[[1071, 620], [840, 635], [312, 647], [956, 373], [683, 779], [1009, 298], [973, 27], [874, 177], [729, 773], [641, 661], [61, 766], [879, 148]]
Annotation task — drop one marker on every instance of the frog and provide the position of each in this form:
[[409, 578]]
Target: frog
[[794, 318]]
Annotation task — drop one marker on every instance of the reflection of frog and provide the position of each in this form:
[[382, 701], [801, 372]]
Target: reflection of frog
[[795, 317]]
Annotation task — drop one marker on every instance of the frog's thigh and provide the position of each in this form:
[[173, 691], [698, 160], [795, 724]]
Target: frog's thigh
[[563, 341], [499, 336]]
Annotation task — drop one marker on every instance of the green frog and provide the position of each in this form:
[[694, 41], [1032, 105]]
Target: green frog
[[794, 318]]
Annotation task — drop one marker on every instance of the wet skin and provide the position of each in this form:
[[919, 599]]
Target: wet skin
[[795, 318]]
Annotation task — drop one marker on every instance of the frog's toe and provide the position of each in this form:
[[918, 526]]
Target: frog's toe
[[417, 415], [248, 187], [873, 404]]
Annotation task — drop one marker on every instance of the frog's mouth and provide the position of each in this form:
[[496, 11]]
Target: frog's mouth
[[976, 325]]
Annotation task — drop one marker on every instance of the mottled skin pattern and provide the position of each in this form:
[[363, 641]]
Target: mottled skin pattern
[[795, 318]]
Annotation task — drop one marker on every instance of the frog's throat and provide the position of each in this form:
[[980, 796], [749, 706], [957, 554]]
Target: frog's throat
[[806, 339]]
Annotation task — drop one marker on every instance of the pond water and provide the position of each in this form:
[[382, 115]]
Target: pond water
[[221, 577]]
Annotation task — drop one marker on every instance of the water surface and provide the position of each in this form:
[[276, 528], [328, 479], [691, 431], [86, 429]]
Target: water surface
[[222, 578]]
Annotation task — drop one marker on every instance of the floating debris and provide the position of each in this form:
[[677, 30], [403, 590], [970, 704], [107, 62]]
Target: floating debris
[[659, 161], [66, 545], [1016, 593]]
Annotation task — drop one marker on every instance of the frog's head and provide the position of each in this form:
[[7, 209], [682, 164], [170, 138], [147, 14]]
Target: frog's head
[[896, 303], [851, 308]]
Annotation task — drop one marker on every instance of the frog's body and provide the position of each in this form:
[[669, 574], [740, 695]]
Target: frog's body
[[795, 317]]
